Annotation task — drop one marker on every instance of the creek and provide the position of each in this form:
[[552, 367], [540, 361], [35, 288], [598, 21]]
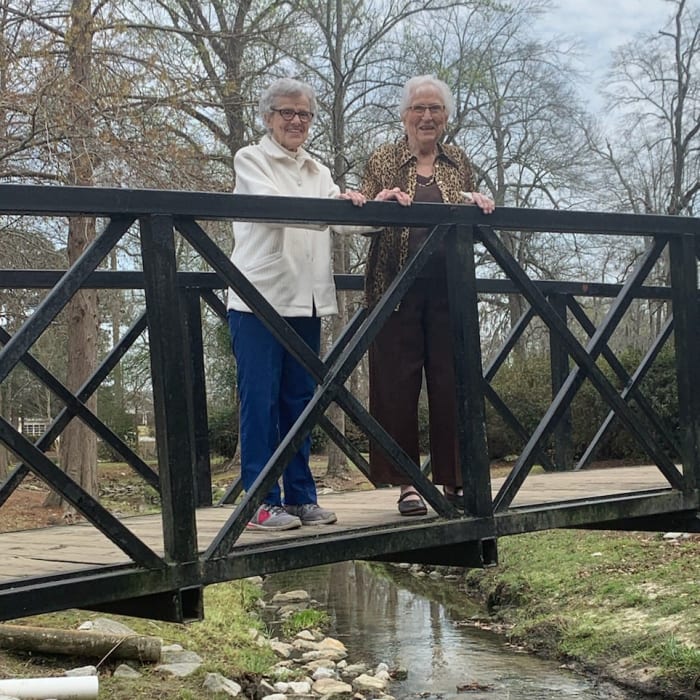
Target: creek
[[426, 626]]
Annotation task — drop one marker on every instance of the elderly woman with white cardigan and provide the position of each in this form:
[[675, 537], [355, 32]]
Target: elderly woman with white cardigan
[[291, 266]]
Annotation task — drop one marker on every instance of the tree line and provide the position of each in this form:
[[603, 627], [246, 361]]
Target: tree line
[[161, 94]]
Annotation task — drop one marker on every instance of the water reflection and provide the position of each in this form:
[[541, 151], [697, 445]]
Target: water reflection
[[379, 620]]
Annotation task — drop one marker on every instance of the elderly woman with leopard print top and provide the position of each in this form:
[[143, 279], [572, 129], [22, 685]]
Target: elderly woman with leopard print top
[[417, 336]]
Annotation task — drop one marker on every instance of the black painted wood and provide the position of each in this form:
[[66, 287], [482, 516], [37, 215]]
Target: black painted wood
[[167, 331], [176, 352], [686, 314]]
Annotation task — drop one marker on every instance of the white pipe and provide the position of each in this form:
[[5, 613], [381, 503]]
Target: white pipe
[[60, 688]]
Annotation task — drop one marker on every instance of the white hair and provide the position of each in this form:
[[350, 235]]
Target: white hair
[[284, 87], [414, 84]]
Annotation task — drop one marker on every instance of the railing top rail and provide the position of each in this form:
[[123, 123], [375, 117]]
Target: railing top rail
[[134, 279], [39, 200]]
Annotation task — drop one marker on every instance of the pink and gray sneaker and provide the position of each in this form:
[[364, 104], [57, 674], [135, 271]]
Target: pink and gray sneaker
[[273, 518]]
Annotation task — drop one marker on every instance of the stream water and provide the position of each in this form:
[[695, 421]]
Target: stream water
[[424, 626]]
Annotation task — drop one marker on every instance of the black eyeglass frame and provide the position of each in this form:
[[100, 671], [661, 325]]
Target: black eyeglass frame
[[288, 114]]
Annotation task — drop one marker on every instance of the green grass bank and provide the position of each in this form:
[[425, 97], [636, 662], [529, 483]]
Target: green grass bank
[[625, 606]]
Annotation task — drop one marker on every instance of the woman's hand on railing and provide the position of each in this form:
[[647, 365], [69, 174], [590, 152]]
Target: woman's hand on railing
[[357, 198], [394, 194], [486, 204]]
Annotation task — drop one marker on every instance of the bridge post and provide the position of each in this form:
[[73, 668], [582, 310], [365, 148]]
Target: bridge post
[[559, 369], [167, 331], [684, 253], [471, 412], [196, 382]]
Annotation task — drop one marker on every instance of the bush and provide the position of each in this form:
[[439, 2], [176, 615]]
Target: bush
[[526, 390], [223, 431]]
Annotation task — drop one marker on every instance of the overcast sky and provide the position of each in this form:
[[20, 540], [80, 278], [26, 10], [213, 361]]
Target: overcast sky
[[603, 25]]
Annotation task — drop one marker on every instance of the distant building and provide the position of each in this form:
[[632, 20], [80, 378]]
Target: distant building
[[33, 427]]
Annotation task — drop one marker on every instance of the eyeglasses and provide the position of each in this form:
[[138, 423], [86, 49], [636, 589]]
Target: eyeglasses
[[289, 114], [422, 109]]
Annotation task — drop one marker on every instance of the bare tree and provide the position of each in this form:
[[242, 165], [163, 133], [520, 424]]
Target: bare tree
[[651, 158], [78, 453], [655, 94]]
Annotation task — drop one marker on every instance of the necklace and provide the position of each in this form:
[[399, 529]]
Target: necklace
[[427, 181]]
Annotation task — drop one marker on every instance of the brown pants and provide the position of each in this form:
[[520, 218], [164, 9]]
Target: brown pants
[[416, 338]]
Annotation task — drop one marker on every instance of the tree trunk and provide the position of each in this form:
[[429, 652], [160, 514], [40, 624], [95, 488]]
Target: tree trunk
[[78, 450], [4, 453], [82, 643]]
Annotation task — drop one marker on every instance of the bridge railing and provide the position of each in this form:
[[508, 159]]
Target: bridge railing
[[173, 320]]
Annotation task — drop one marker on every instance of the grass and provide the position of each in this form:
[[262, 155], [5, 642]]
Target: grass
[[600, 598], [304, 620], [624, 601], [225, 640]]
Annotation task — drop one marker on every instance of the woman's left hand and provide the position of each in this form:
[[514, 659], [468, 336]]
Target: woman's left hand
[[357, 198], [486, 204]]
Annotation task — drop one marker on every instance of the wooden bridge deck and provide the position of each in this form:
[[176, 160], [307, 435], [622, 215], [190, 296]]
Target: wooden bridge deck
[[63, 549]]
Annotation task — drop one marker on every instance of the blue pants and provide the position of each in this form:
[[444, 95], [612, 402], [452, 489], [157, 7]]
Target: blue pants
[[274, 390]]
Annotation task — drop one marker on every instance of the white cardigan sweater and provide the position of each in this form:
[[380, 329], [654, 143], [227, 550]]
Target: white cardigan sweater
[[290, 266]]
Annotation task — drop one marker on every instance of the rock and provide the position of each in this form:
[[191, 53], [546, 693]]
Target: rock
[[334, 644], [179, 656], [216, 683], [383, 675], [255, 580], [288, 610], [299, 687], [180, 670], [281, 673], [331, 687], [381, 667], [275, 696], [352, 670], [282, 649], [323, 672], [290, 597], [307, 635], [333, 654], [305, 645], [125, 671], [170, 647], [104, 624], [81, 671], [265, 688], [320, 663], [369, 683]]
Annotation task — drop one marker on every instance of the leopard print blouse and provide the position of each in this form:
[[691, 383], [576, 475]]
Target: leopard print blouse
[[393, 165]]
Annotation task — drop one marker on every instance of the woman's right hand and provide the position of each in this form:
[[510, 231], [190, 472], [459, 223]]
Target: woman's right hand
[[395, 194]]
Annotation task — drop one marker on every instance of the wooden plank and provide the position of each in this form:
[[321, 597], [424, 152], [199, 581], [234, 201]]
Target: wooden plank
[[46, 551]]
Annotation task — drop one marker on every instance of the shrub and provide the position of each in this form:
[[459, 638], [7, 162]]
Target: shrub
[[223, 431]]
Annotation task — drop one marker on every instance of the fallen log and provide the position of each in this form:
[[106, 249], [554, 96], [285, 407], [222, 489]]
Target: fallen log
[[85, 643]]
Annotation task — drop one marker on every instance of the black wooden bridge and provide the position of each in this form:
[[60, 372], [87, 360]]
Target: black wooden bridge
[[157, 566]]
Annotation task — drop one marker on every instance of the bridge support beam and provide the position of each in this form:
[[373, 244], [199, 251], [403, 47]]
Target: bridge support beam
[[182, 605], [478, 554]]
